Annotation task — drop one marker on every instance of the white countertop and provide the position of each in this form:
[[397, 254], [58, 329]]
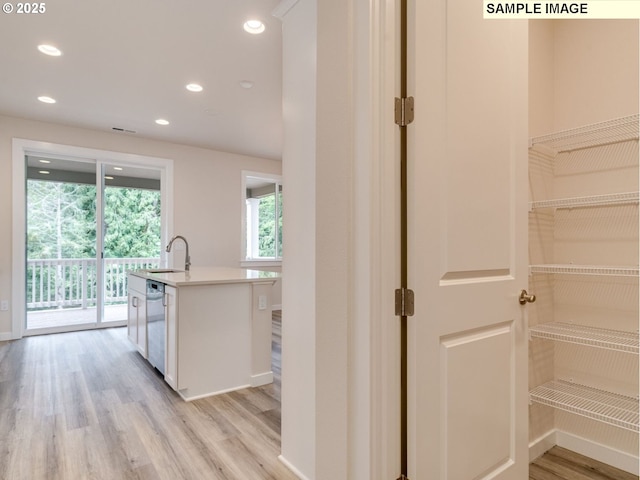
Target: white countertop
[[208, 276]]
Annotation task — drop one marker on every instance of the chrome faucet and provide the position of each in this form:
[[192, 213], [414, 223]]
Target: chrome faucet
[[187, 258]]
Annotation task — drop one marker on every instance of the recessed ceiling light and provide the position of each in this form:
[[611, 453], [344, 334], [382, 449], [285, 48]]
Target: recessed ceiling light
[[254, 26], [246, 84], [108, 177], [162, 121], [118, 168], [44, 161], [44, 172], [45, 99], [194, 87], [50, 50]]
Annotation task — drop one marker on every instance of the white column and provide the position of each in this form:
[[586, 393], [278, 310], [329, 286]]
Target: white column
[[299, 264]]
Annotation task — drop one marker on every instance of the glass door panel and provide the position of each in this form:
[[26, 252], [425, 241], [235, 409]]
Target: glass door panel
[[61, 270], [131, 231]]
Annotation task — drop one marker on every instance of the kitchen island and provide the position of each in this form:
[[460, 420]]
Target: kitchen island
[[217, 327]]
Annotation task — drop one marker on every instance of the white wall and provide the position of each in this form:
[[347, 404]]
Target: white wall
[[581, 72], [595, 71], [299, 263], [541, 77], [207, 191]]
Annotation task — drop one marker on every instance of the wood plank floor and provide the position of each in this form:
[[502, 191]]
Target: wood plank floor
[[85, 405], [562, 464]]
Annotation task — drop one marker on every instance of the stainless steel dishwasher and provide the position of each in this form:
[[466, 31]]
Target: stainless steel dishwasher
[[155, 324]]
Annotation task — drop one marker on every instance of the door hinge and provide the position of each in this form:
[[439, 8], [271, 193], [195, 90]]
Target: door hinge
[[404, 302], [404, 111]]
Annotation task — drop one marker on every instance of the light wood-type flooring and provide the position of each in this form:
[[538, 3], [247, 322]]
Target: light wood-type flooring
[[559, 463], [86, 405]]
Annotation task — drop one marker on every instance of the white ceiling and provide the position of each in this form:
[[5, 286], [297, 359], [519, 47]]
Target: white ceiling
[[125, 63]]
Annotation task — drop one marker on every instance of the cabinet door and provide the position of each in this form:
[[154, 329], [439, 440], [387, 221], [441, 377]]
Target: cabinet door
[[171, 347], [132, 317]]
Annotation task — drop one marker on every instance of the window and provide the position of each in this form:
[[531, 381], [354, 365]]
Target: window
[[263, 217]]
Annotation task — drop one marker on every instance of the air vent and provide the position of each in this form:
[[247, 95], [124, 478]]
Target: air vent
[[123, 130]]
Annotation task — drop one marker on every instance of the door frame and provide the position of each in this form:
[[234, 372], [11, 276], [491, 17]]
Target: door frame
[[22, 147], [377, 160]]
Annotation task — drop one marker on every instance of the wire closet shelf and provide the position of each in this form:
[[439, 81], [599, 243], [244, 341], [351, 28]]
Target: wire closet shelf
[[625, 198], [611, 131], [610, 408], [604, 133], [570, 269], [587, 336]]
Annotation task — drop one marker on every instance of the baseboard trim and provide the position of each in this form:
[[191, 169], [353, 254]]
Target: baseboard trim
[[6, 336], [293, 469], [187, 397], [611, 456], [262, 379], [602, 453], [542, 444]]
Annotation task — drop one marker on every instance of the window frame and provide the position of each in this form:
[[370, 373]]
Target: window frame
[[246, 261]]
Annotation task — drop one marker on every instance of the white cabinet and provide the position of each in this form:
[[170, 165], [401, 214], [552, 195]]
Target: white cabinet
[[218, 337], [584, 271], [137, 313]]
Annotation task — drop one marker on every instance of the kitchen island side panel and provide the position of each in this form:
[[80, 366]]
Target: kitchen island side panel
[[214, 339]]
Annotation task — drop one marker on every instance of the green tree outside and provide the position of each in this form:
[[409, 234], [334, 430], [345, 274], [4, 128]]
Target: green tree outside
[[61, 221], [61, 224]]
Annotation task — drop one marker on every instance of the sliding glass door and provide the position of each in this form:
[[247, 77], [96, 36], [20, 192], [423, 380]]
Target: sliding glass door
[[87, 223], [131, 231]]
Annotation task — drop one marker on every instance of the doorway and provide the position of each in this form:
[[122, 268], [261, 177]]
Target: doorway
[[83, 219], [84, 232]]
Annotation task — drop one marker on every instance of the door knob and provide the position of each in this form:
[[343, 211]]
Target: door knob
[[526, 298]]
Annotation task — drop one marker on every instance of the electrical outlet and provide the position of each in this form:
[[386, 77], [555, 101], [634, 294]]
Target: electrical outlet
[[4, 305], [262, 302]]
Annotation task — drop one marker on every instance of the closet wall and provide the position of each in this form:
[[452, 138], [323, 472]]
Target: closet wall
[[584, 73]]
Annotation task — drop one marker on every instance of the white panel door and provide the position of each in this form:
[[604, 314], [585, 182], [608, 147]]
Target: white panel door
[[467, 243]]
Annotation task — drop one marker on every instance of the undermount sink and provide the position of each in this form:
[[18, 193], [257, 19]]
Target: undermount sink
[[163, 270]]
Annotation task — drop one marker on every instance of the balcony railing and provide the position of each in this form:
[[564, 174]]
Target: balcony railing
[[72, 283]]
